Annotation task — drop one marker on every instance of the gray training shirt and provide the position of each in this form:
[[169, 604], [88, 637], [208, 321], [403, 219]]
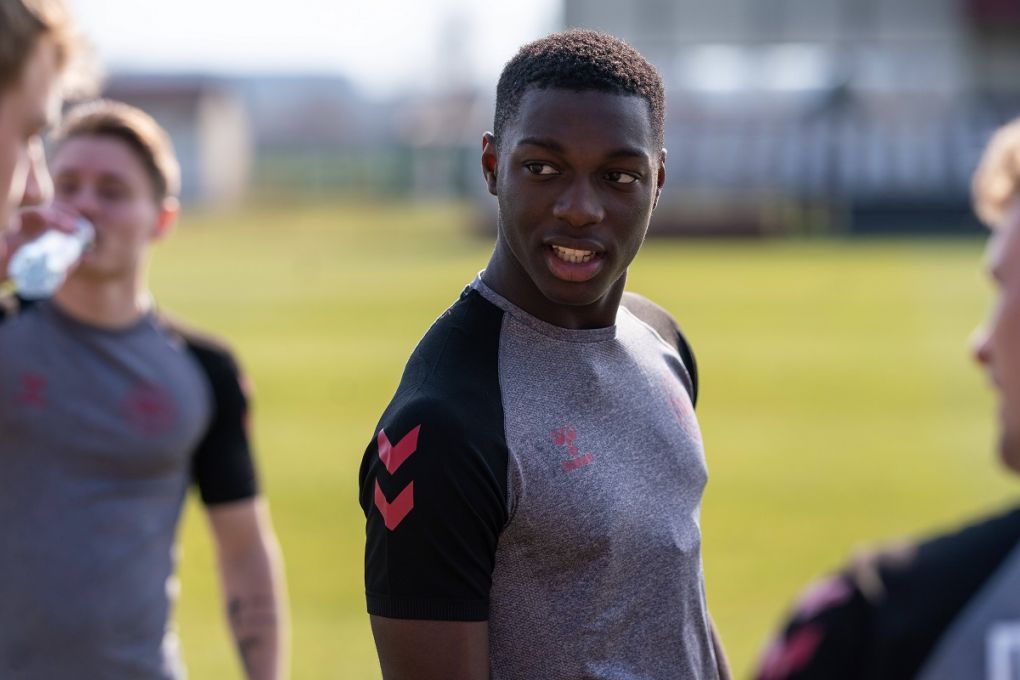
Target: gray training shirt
[[100, 433], [548, 481]]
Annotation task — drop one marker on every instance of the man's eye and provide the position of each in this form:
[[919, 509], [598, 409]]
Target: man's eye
[[540, 168], [621, 177], [66, 189], [112, 193]]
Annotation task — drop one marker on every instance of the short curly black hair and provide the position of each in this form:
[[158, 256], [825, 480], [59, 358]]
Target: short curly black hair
[[581, 60]]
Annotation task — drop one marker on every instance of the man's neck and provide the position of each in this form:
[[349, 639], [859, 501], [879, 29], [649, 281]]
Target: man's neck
[[109, 304], [505, 275]]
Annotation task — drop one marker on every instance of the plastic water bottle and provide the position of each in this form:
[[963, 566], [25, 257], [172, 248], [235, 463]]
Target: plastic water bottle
[[40, 266]]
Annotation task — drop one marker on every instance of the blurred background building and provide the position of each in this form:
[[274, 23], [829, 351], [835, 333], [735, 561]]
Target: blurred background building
[[862, 115], [209, 123], [784, 116]]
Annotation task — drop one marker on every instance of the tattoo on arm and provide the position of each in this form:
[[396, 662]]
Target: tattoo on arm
[[253, 621]]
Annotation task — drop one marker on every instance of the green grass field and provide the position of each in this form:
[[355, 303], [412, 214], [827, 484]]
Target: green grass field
[[838, 402]]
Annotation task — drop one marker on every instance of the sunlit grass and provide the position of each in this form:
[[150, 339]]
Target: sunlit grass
[[838, 404]]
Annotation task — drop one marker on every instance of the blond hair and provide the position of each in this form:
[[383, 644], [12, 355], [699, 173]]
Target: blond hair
[[140, 131], [23, 23], [997, 179]]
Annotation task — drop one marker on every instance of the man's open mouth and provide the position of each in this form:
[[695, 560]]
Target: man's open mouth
[[573, 255]]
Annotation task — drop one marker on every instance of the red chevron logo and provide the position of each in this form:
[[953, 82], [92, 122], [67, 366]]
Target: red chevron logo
[[394, 456], [394, 513]]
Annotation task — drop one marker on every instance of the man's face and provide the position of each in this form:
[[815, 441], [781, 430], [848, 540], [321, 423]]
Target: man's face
[[576, 176], [997, 346], [102, 179], [26, 109]]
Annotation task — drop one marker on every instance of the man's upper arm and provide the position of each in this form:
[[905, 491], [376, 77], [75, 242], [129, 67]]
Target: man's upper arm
[[435, 498], [434, 493], [222, 466], [240, 527], [432, 650]]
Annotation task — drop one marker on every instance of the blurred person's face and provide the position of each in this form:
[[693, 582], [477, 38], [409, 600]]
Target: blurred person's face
[[26, 109], [104, 180], [576, 176], [997, 345]]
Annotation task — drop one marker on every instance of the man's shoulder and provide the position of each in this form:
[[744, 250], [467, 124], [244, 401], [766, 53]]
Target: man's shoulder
[[651, 313], [468, 317], [942, 571], [449, 390], [195, 339], [887, 610], [459, 352], [212, 353], [663, 323]]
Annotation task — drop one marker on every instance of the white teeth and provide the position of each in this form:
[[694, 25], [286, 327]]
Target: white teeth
[[573, 255]]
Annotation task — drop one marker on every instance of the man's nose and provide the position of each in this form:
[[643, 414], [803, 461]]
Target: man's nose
[[981, 346], [579, 204], [38, 186]]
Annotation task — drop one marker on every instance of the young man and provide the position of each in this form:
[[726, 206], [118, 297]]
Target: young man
[[532, 491], [948, 607], [108, 411], [37, 43]]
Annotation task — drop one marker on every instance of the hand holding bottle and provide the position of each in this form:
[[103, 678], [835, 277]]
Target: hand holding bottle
[[29, 225]]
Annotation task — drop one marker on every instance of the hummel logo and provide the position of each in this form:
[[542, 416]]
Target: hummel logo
[[394, 513], [32, 392], [565, 437], [392, 457]]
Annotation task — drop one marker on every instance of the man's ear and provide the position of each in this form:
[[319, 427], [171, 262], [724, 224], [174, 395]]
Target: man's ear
[[660, 177], [169, 209], [490, 160]]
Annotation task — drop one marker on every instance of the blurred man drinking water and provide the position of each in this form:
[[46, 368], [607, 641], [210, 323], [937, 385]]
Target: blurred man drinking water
[[109, 412]]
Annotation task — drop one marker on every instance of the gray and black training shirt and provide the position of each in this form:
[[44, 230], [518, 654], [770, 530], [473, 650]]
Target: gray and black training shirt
[[101, 433], [548, 481]]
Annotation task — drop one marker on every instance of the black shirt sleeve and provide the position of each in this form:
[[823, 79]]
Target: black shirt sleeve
[[433, 480], [222, 466], [435, 506]]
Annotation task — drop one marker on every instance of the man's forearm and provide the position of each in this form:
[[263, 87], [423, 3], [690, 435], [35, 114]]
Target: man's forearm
[[257, 612], [251, 571]]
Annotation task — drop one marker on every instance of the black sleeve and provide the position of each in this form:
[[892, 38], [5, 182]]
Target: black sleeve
[[222, 466], [666, 326], [433, 480], [826, 637], [435, 505], [881, 618]]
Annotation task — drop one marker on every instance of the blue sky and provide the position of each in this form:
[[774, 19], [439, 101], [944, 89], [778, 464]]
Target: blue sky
[[384, 46]]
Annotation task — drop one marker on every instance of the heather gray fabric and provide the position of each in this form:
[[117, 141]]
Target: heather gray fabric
[[96, 434], [598, 570], [984, 641]]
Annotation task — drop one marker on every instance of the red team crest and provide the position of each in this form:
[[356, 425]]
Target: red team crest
[[31, 391], [566, 437], [150, 409], [683, 410]]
